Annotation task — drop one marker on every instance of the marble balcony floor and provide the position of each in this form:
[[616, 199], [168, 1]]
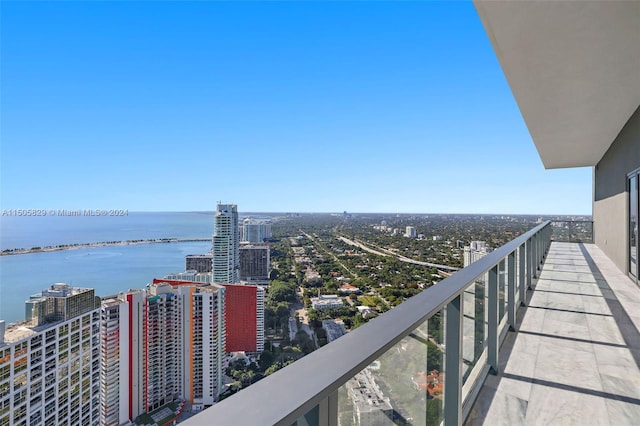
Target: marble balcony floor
[[575, 358]]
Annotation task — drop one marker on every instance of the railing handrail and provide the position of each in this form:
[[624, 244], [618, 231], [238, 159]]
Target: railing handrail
[[571, 221], [289, 393]]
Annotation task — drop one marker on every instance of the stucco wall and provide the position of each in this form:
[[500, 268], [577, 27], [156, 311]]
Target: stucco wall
[[610, 203]]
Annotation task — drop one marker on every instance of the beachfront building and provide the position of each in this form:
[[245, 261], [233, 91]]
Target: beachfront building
[[226, 245]]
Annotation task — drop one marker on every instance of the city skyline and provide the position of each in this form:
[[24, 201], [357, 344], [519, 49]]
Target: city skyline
[[356, 106]]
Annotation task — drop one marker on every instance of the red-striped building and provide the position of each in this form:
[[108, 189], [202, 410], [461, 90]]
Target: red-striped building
[[243, 313]]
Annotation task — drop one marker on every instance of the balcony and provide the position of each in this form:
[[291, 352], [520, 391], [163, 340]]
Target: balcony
[[575, 358], [536, 331]]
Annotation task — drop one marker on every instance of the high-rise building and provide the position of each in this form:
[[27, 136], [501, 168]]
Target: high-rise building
[[244, 318], [201, 263], [164, 346], [60, 302], [475, 251], [255, 230], [123, 373], [50, 364], [226, 245], [243, 308], [254, 264], [161, 345], [205, 347], [410, 232]]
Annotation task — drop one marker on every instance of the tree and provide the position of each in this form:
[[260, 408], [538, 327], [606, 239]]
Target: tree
[[280, 291], [266, 359], [282, 309]]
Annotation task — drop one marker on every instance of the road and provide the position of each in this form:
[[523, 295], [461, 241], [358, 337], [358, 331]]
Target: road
[[384, 252], [320, 246]]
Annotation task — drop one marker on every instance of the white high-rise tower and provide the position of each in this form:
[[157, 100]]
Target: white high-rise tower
[[226, 245]]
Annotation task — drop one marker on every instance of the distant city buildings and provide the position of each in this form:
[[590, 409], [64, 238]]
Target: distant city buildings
[[255, 230], [50, 363], [77, 359], [226, 245], [201, 263], [254, 264], [475, 251], [410, 232]]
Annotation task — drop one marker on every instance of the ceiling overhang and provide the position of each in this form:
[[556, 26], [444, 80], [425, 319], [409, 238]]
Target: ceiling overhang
[[573, 68]]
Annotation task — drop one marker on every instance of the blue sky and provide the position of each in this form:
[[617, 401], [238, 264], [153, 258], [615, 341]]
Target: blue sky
[[275, 106]]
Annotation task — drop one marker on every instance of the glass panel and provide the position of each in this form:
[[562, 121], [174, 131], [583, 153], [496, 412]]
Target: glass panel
[[633, 225], [502, 290], [579, 231], [474, 328], [516, 279], [404, 386], [312, 418]]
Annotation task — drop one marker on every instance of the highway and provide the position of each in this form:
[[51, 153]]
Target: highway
[[384, 252]]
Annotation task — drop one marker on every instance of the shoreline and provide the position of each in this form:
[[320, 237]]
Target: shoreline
[[12, 252]]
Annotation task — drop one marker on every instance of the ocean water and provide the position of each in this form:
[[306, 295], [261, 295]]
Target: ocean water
[[108, 269], [40, 231]]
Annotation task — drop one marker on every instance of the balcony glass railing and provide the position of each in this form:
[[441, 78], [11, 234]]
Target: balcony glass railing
[[422, 362], [572, 231]]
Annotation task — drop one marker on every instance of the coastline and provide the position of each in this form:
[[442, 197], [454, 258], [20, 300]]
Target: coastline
[[11, 252]]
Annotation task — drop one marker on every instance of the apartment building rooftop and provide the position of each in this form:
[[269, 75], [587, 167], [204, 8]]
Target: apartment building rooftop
[[17, 331]]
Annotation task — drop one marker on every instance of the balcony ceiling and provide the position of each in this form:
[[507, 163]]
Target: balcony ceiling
[[573, 68]]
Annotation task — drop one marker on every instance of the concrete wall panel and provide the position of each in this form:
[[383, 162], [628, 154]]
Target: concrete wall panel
[[610, 205]]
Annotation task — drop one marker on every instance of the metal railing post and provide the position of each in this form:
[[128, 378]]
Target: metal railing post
[[492, 307], [534, 257], [570, 231], [529, 262], [521, 275], [511, 290], [328, 411], [453, 361], [538, 253]]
